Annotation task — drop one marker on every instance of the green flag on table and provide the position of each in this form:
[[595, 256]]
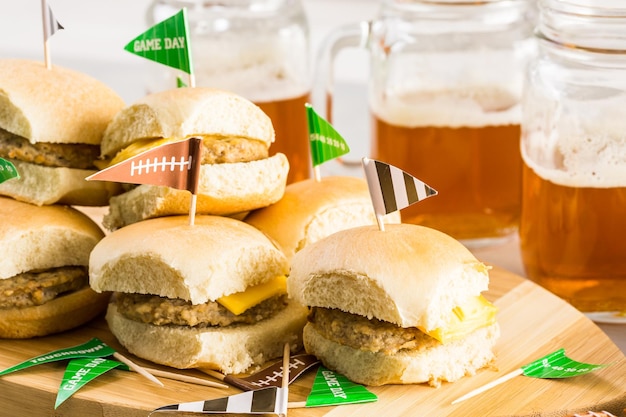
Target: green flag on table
[[326, 143], [7, 170], [92, 349], [557, 365], [331, 388], [166, 42], [81, 371]]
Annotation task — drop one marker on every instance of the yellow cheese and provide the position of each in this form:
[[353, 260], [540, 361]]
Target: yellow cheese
[[138, 147], [477, 313], [239, 302]]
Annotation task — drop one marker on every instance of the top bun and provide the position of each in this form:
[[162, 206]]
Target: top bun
[[39, 238], [311, 210], [166, 256], [56, 105], [409, 275], [185, 112]]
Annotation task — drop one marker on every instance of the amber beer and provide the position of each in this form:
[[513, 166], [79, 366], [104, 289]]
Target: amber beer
[[476, 170], [292, 137], [572, 241]]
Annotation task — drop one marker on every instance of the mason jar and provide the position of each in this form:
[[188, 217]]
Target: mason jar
[[445, 84], [574, 156], [258, 49]]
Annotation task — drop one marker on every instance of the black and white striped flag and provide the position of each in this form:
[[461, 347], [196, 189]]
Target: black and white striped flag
[[271, 400], [392, 189], [50, 24]]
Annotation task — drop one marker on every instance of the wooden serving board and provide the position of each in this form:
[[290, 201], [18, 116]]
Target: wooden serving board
[[534, 322]]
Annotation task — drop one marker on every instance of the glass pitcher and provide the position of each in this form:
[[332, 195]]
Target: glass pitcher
[[444, 94]]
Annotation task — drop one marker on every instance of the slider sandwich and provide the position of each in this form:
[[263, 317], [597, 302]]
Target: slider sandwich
[[51, 125], [398, 306], [236, 175], [310, 210], [44, 283], [212, 295]]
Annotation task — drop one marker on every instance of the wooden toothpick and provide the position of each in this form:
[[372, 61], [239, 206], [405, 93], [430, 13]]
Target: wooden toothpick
[[285, 384], [132, 365], [185, 378], [488, 386]]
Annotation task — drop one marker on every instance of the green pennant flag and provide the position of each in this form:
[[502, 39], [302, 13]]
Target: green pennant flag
[[81, 371], [92, 349], [553, 365], [166, 42], [326, 143], [330, 388], [7, 170], [180, 83], [557, 365]]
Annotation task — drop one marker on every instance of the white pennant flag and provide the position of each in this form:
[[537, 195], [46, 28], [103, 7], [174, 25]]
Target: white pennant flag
[[50, 24], [392, 189]]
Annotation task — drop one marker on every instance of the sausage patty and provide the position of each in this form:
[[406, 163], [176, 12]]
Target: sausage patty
[[160, 311], [225, 150], [372, 335], [38, 287], [66, 155]]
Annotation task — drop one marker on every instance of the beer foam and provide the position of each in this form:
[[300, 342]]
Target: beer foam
[[262, 71], [472, 106], [579, 156]]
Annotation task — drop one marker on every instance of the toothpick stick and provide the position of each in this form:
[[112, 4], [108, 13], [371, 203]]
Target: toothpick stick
[[285, 385], [132, 365], [192, 209], [488, 386], [46, 30], [214, 374], [316, 173], [381, 223], [185, 378]]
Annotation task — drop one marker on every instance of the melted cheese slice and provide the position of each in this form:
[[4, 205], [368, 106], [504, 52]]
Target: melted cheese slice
[[476, 313], [140, 146], [239, 302], [134, 149]]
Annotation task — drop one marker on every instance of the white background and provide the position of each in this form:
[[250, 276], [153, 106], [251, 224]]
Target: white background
[[97, 31]]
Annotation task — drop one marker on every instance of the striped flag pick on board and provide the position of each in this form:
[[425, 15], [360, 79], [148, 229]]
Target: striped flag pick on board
[[392, 189], [263, 401]]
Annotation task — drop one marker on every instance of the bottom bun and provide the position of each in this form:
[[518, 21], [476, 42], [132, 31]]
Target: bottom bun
[[63, 313], [231, 350], [447, 362], [41, 185]]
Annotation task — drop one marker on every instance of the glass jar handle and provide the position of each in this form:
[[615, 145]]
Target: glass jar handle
[[348, 36]]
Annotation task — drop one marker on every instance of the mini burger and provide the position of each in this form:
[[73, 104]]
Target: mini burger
[[398, 306], [51, 125], [212, 295], [237, 175], [310, 210], [44, 283]]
